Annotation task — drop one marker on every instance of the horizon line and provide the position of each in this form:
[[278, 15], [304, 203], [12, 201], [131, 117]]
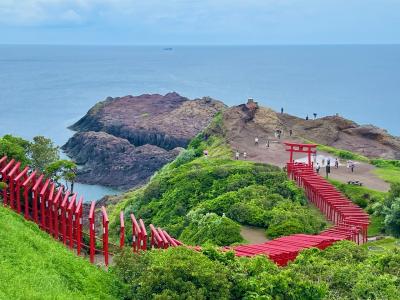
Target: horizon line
[[201, 45]]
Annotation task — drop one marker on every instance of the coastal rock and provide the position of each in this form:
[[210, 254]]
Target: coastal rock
[[167, 121], [122, 141], [112, 161]]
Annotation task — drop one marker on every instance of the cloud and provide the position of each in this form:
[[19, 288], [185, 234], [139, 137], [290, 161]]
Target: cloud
[[39, 12]]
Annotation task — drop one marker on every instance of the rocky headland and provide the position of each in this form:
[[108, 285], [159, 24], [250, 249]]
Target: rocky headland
[[246, 121], [122, 141]]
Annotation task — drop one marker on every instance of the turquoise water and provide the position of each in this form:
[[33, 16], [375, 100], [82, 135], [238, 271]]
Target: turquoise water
[[44, 89]]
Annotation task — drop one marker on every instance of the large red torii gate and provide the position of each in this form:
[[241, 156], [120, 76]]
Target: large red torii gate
[[301, 148]]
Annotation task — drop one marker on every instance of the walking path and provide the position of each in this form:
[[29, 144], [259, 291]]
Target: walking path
[[276, 155]]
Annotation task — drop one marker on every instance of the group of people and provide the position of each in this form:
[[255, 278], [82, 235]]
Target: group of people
[[350, 165], [327, 166]]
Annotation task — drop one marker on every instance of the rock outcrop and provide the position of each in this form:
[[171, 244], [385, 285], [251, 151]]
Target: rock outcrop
[[241, 122], [121, 142]]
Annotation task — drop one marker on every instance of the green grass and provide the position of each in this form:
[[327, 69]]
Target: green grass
[[340, 153], [388, 174], [388, 243], [388, 170], [376, 226], [34, 266]]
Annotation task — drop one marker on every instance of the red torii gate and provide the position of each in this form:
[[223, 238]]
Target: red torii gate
[[301, 148]]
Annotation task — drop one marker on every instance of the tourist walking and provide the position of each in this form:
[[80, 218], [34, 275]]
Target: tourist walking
[[282, 110], [244, 155], [328, 170], [237, 155], [315, 115], [307, 118], [317, 168], [256, 141], [336, 163], [290, 132], [352, 166], [267, 143]]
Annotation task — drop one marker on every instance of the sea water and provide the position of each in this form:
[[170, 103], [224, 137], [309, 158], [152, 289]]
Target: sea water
[[44, 89]]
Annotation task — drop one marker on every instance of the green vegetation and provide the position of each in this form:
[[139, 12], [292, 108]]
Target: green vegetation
[[62, 170], [340, 153], [41, 155], [343, 271], [203, 200], [387, 243], [388, 170], [16, 148], [34, 266]]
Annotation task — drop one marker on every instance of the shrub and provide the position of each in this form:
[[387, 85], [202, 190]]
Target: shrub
[[175, 273]]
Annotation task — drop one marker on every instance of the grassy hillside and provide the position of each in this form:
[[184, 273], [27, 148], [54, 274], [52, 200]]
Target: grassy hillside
[[202, 199], [34, 266]]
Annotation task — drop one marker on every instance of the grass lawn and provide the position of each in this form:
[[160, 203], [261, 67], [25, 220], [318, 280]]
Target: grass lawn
[[34, 266], [387, 243], [388, 174]]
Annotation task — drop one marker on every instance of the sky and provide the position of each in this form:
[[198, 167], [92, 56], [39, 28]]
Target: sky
[[199, 22]]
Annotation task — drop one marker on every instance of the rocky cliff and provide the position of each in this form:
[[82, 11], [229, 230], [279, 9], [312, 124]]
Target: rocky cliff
[[243, 121], [121, 142]]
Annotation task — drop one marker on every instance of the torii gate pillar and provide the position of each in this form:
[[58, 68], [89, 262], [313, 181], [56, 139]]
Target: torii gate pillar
[[301, 148]]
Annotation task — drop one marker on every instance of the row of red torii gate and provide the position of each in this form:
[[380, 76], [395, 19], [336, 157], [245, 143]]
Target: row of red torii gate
[[60, 213]]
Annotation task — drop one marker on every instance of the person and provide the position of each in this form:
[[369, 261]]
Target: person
[[315, 115], [336, 163], [282, 110], [279, 134], [237, 155], [267, 143], [317, 167], [328, 170], [328, 162], [290, 132], [307, 118], [256, 141], [244, 155], [352, 166], [323, 161]]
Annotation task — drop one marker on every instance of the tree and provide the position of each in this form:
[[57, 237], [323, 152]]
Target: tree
[[62, 170], [174, 273], [15, 147], [392, 219], [43, 152]]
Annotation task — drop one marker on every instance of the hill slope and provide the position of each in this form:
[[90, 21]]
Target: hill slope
[[34, 266]]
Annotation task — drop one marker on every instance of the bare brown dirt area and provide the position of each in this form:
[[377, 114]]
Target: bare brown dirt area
[[244, 124], [276, 155]]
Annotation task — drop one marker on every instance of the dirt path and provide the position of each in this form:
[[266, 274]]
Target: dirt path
[[253, 235], [275, 154]]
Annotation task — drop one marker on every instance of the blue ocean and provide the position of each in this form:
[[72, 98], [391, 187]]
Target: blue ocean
[[44, 89]]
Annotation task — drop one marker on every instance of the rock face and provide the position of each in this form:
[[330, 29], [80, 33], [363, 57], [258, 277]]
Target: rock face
[[166, 121], [121, 142], [243, 121]]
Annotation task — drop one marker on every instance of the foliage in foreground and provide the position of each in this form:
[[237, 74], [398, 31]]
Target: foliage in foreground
[[343, 271], [34, 266]]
